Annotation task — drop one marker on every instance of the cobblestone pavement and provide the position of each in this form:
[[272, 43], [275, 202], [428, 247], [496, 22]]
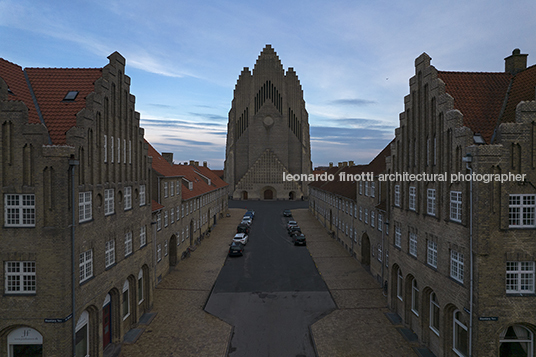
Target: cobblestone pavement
[[181, 326], [358, 327]]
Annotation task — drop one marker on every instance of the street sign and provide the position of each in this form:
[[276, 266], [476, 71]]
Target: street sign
[[58, 321], [491, 318]]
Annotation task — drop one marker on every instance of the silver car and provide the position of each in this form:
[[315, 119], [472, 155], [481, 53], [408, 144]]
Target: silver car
[[241, 238]]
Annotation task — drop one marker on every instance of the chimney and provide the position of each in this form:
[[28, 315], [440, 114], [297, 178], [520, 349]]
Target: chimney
[[168, 156], [339, 164], [351, 163], [515, 63], [197, 163], [205, 164], [191, 162], [330, 165], [345, 163]]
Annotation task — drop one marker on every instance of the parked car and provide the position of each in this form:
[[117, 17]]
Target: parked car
[[299, 239], [291, 224], [242, 228], [250, 213], [287, 213], [241, 238], [236, 249], [294, 230], [247, 220]]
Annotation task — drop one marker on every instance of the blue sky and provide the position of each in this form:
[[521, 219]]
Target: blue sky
[[353, 58]]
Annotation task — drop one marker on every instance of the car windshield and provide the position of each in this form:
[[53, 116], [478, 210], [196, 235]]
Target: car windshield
[[291, 222]]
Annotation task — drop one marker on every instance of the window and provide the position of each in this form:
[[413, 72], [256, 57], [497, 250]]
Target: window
[[166, 220], [398, 236], [109, 253], [372, 218], [159, 221], [20, 277], [432, 253], [434, 313], [399, 285], [380, 253], [355, 211], [415, 297], [521, 211], [140, 286], [126, 303], [459, 342], [19, 211], [431, 202], [178, 213], [171, 186], [165, 248], [456, 265], [142, 195], [380, 222], [177, 187], [159, 252], [520, 277], [84, 206], [82, 335], [86, 265], [108, 201], [366, 215], [172, 215], [70, 96], [360, 213], [165, 189], [366, 188], [360, 187], [143, 236], [128, 243], [456, 206], [413, 244], [105, 153], [372, 189], [412, 197], [397, 195], [516, 340], [128, 198]]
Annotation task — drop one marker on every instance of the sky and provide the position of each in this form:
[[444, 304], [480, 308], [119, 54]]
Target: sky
[[354, 58]]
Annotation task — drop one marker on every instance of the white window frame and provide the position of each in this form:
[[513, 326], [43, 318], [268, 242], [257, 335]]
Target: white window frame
[[398, 236], [400, 286], [432, 253], [85, 206], [456, 325], [109, 253], [360, 213], [529, 341], [166, 219], [456, 206], [165, 248], [397, 195], [380, 222], [373, 189], [109, 205], [165, 189], [159, 221], [128, 197], [19, 210], [413, 244], [125, 300], [171, 189], [431, 202], [366, 188], [456, 266], [412, 198], [414, 297], [521, 211], [143, 236], [366, 215], [434, 317], [360, 187], [142, 195], [520, 277], [159, 252], [128, 243], [85, 264], [140, 287], [172, 215], [20, 277], [372, 218]]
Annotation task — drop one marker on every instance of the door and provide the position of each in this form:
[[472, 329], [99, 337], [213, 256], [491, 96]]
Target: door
[[268, 194], [106, 325]]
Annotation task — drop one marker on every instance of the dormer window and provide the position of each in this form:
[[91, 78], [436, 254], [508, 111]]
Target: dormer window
[[190, 186], [70, 96], [9, 91]]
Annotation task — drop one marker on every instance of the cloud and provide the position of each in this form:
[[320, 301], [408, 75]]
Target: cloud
[[355, 101], [210, 116]]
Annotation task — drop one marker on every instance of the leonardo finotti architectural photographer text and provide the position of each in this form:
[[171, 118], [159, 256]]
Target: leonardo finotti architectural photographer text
[[407, 177]]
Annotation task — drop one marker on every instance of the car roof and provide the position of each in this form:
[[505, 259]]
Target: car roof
[[240, 234]]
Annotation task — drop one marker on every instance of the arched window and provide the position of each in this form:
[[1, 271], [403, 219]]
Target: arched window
[[140, 286], [434, 313], [82, 335], [516, 340], [415, 297], [399, 285], [459, 338], [126, 304]]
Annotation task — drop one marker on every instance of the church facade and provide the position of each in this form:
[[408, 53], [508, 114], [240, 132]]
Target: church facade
[[267, 133]]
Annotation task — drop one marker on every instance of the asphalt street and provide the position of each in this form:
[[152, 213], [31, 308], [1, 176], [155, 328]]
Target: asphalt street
[[273, 293]]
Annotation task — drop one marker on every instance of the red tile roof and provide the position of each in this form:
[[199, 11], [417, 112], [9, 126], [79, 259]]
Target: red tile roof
[[479, 96], [155, 206], [522, 89], [13, 75], [50, 85]]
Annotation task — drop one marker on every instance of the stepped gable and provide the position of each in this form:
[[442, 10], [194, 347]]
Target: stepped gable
[[14, 77], [268, 60], [479, 96], [522, 89], [50, 86]]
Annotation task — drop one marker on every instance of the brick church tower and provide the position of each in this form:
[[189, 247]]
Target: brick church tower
[[267, 133]]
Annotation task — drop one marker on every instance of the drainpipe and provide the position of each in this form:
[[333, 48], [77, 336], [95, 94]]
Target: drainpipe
[[72, 164], [468, 159]]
